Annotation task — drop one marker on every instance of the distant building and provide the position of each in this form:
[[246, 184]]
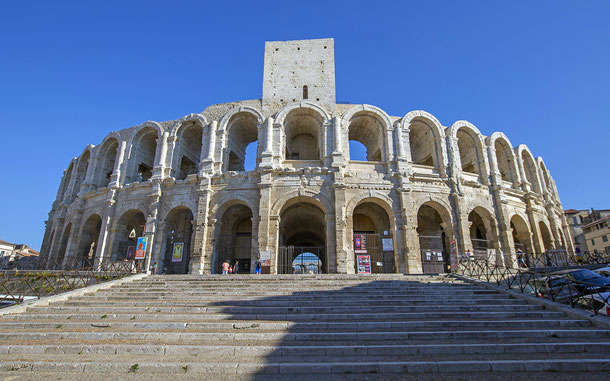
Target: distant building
[[583, 227], [17, 256], [6, 249]]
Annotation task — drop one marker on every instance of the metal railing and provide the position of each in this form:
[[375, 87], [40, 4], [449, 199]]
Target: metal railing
[[16, 286], [539, 282]]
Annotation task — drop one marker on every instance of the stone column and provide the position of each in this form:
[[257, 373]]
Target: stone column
[[107, 232], [161, 157], [69, 194], [198, 256], [88, 181], [54, 246], [267, 153], [75, 233], [171, 161], [115, 178], [212, 146], [344, 259]]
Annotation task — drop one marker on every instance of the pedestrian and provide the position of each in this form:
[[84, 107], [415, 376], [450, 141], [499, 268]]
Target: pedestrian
[[520, 260], [225, 267], [258, 266], [236, 267], [154, 268]]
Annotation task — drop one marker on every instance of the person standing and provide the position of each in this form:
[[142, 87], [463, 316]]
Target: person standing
[[236, 267], [225, 267], [258, 266], [154, 268]]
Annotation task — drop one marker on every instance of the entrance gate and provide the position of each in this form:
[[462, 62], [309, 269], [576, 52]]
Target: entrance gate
[[287, 254], [381, 261], [434, 257], [232, 248]]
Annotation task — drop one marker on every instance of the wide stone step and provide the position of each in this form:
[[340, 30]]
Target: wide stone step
[[293, 337], [293, 326], [210, 351], [224, 368]]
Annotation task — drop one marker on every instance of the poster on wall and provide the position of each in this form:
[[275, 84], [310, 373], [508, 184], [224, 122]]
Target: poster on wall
[[364, 264], [141, 247], [388, 244], [265, 258], [177, 252], [453, 256], [131, 253], [359, 243]]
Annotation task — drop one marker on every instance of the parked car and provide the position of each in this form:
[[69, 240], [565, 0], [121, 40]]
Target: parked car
[[604, 271], [554, 287], [595, 302], [587, 281]]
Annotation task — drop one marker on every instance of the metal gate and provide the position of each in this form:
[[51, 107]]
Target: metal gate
[[232, 248], [434, 257], [306, 264], [381, 261]]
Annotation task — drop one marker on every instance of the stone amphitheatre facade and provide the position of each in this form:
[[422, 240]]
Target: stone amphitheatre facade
[[424, 190]]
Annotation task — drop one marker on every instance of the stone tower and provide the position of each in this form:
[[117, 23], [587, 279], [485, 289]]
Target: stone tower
[[299, 70]]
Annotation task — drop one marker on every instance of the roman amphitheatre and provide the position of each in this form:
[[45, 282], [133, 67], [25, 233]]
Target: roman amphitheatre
[[424, 191]]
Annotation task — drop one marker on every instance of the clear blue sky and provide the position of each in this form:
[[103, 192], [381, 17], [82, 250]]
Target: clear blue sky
[[71, 72]]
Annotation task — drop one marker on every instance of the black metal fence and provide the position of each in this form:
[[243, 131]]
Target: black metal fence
[[546, 283], [17, 286]]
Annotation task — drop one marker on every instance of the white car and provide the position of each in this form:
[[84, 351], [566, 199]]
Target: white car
[[604, 271], [599, 302]]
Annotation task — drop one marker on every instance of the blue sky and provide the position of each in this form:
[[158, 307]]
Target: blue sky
[[71, 72]]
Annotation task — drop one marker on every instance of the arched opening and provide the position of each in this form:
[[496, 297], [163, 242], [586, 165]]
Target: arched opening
[[469, 152], [127, 230], [307, 263], [178, 232], [142, 157], [106, 161], [478, 236], [302, 230], [505, 159], [62, 247], [242, 132], [365, 128], [66, 181], [305, 92], [545, 235], [357, 151], [373, 241], [303, 134], [521, 235], [423, 144], [529, 167], [81, 171], [187, 149], [433, 238], [88, 241], [234, 239]]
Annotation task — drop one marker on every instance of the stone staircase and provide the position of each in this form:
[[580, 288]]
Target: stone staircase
[[253, 326]]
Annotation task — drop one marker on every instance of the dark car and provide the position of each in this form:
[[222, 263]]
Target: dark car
[[587, 281]]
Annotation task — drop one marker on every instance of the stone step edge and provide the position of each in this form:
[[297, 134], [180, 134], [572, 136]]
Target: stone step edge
[[292, 350], [571, 365]]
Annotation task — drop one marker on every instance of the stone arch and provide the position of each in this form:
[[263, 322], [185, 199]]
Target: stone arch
[[505, 157], [130, 220], [302, 230], [198, 118], [106, 157], [88, 240], [241, 127], [370, 221], [290, 198], [369, 126], [177, 240], [545, 177], [426, 138], [187, 147], [483, 232], [64, 184], [61, 254], [434, 231], [219, 205], [470, 147], [521, 234], [303, 131], [545, 236], [84, 160], [528, 166], [143, 152], [233, 235]]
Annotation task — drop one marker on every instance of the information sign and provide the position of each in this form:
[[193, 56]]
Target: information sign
[[364, 264], [177, 252], [359, 243]]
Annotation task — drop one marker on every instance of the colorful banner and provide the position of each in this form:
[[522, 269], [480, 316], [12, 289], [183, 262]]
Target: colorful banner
[[131, 252], [141, 247], [265, 257], [364, 264], [177, 252], [359, 243]]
